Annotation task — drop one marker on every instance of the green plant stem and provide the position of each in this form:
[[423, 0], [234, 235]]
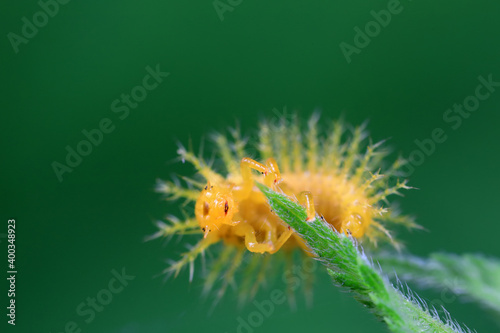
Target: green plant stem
[[351, 269]]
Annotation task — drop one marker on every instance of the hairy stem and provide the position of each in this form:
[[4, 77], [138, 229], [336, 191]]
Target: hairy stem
[[351, 269]]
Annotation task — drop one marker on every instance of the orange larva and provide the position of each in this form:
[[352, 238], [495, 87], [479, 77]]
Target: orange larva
[[331, 174]]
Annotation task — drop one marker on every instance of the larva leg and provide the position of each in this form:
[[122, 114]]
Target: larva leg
[[306, 199], [251, 243], [282, 239], [273, 176], [271, 236], [271, 172], [270, 232], [246, 166]]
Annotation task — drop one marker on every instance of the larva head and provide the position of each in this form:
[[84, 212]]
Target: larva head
[[214, 207]]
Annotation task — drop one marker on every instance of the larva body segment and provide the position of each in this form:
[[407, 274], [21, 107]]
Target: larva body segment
[[332, 175]]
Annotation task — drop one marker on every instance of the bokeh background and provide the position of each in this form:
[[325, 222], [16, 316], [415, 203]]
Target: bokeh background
[[261, 56]]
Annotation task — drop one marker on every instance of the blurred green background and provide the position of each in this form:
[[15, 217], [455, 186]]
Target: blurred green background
[[262, 56]]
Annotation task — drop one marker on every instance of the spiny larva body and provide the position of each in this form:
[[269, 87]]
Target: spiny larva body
[[335, 175]]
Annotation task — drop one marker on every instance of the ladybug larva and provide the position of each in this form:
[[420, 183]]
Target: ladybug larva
[[336, 175]]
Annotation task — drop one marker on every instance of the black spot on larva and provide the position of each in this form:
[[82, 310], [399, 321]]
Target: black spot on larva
[[206, 188], [203, 229], [226, 208], [206, 208]]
